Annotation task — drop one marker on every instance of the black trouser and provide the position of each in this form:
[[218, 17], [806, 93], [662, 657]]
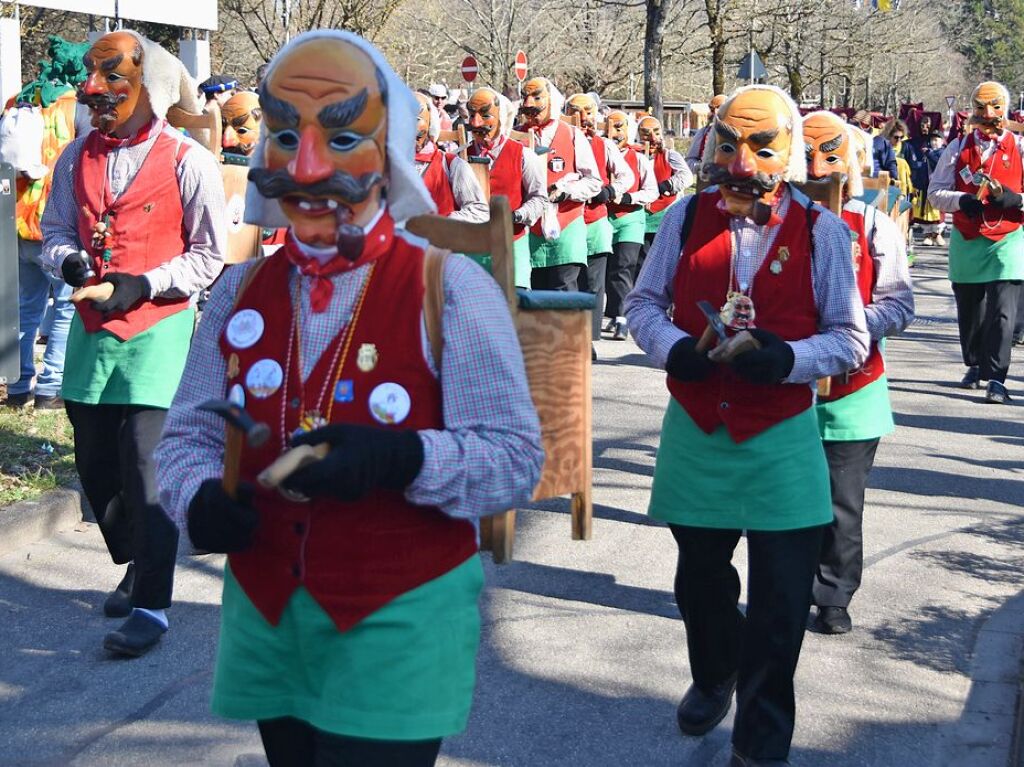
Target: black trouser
[[562, 277], [986, 312], [648, 241], [620, 276], [762, 648], [291, 742], [1018, 326], [114, 456], [595, 277], [842, 547]]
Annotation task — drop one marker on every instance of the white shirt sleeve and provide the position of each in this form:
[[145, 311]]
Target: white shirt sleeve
[[469, 197], [619, 173]]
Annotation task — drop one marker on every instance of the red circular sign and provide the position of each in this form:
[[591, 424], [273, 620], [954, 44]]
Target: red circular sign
[[520, 66], [469, 69]]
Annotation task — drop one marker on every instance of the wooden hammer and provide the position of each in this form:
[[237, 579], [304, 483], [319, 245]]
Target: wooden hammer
[[240, 426]]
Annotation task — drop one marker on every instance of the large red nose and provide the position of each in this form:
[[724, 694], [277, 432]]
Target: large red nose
[[94, 85], [743, 164], [311, 163]]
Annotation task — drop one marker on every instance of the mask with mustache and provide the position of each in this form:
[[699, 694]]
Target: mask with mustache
[[113, 88], [484, 109], [536, 108]]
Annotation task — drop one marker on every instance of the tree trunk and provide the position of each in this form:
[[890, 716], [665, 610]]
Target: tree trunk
[[717, 34], [654, 38]]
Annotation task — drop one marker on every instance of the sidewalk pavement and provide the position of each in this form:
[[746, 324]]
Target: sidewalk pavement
[[583, 656]]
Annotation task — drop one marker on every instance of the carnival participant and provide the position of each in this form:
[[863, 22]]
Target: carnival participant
[[438, 95], [558, 242], [740, 449], [40, 122], [670, 171], [695, 153], [629, 221], [137, 212], [449, 179], [350, 621], [218, 88], [979, 180], [514, 172], [855, 412], [240, 119], [616, 179]]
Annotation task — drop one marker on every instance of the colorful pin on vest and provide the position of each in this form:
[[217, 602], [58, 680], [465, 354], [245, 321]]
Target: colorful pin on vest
[[390, 403], [245, 328], [344, 391], [233, 368], [367, 358], [264, 378], [237, 395]]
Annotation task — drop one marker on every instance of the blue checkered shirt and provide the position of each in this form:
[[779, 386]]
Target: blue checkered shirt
[[487, 459]]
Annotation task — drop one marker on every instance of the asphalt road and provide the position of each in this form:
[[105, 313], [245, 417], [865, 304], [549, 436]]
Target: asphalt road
[[583, 659]]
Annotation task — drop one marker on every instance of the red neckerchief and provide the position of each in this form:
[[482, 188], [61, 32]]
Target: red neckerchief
[[539, 129], [490, 152], [427, 153], [140, 136], [376, 243]]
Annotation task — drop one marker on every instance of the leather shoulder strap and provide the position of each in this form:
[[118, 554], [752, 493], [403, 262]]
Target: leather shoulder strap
[[433, 300], [247, 278]]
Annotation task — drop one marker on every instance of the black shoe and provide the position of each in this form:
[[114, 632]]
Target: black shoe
[[700, 711], [18, 401], [620, 330], [832, 620], [593, 353], [137, 636], [996, 393], [739, 760], [118, 604], [49, 403], [972, 379], [1018, 339]]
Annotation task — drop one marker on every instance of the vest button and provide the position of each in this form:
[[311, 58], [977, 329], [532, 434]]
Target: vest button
[[296, 571], [299, 528], [294, 402], [724, 406]]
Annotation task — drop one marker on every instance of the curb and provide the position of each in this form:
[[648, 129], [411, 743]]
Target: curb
[[27, 522], [988, 732]]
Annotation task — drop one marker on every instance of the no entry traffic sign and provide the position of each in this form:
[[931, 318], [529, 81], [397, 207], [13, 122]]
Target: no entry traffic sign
[[520, 66], [469, 69]]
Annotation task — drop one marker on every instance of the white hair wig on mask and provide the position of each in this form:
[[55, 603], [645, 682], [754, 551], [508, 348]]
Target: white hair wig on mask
[[555, 97], [167, 82], [854, 180], [796, 170], [1002, 90], [406, 194], [507, 111]]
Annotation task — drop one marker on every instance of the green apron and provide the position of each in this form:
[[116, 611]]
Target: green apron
[[406, 672], [864, 414], [981, 260], [654, 219], [630, 227], [569, 248], [101, 369], [599, 237], [776, 480], [520, 262]]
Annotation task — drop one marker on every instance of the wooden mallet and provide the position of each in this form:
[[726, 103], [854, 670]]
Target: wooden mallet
[[240, 427]]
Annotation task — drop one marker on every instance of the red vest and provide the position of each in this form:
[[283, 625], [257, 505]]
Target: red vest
[[147, 224], [864, 267], [353, 558], [562, 149], [1004, 165], [662, 172], [435, 178], [615, 210], [595, 212], [785, 306], [506, 178]]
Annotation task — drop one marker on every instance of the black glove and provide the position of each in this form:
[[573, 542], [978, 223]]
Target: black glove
[[361, 459], [1006, 200], [518, 218], [767, 365], [129, 289], [685, 363], [603, 196], [219, 523], [970, 205], [76, 270], [665, 187], [627, 199]]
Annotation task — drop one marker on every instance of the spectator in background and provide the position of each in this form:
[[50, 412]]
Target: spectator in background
[[218, 88], [883, 156], [33, 133], [931, 220], [439, 98]]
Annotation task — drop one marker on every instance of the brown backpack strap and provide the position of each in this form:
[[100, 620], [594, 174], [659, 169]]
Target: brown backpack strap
[[433, 300], [247, 278]]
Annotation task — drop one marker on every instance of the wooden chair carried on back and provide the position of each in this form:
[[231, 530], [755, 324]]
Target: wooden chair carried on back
[[243, 239], [554, 333], [480, 170]]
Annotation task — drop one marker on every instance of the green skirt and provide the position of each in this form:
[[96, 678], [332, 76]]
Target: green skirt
[[599, 238], [406, 672], [777, 480], [520, 261], [630, 227], [865, 414], [569, 248], [101, 369], [981, 260], [654, 219]]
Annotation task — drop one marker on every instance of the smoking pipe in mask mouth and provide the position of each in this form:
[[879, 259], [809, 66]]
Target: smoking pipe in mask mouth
[[350, 239]]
